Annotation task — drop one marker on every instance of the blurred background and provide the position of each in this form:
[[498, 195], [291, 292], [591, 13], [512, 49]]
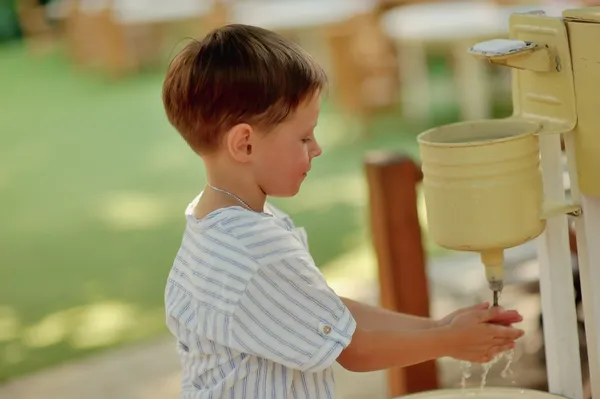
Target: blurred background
[[94, 181]]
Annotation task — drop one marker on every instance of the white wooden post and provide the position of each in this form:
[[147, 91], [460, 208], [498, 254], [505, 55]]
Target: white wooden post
[[561, 339], [589, 244], [587, 230]]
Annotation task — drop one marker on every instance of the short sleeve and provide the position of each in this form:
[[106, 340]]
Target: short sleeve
[[290, 316]]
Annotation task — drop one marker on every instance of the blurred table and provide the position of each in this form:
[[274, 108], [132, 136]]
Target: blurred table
[[123, 36], [293, 14], [134, 11], [454, 27], [303, 21], [270, 14]]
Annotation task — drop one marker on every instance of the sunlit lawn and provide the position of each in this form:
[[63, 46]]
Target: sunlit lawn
[[93, 184]]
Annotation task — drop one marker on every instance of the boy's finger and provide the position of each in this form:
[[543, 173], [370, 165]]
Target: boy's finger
[[481, 306], [502, 348], [506, 332], [508, 314], [507, 318], [508, 347], [506, 322], [501, 341], [478, 307], [489, 314]]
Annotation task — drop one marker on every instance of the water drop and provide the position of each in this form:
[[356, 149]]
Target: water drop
[[506, 372], [466, 373]]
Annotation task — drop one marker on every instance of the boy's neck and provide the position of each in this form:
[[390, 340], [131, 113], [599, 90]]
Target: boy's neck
[[212, 200], [230, 184], [234, 187], [253, 200]]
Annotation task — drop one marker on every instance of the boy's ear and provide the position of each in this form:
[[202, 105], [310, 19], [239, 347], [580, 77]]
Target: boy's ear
[[239, 142]]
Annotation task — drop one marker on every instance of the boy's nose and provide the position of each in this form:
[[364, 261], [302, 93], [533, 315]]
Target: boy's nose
[[316, 150]]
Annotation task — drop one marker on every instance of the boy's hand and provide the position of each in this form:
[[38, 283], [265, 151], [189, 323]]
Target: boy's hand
[[504, 318], [448, 319], [474, 335]]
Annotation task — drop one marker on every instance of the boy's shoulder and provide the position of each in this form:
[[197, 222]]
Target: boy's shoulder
[[223, 252], [269, 209], [279, 214], [254, 237]]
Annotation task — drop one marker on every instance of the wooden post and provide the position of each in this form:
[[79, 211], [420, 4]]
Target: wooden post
[[396, 232]]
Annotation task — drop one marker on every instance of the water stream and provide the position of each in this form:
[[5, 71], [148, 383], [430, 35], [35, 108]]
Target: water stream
[[467, 369]]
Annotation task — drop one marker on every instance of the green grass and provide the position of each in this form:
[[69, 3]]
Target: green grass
[[93, 184]]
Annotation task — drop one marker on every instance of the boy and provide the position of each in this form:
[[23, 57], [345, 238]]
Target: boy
[[253, 315]]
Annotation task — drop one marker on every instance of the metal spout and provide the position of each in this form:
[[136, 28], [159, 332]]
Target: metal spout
[[496, 298], [496, 287]]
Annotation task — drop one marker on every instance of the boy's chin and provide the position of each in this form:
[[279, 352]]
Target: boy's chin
[[291, 192], [283, 195]]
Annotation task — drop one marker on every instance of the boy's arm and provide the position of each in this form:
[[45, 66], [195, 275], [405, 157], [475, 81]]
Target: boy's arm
[[385, 339], [381, 339], [379, 318], [372, 349]]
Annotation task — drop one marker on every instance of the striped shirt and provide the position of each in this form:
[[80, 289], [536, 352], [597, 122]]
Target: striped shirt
[[252, 314]]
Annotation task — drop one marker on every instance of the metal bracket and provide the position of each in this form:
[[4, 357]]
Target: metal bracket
[[551, 209]]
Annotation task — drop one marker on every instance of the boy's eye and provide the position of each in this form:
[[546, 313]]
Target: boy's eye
[[306, 140]]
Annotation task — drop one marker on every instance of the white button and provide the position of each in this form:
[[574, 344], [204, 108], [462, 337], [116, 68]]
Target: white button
[[326, 330]]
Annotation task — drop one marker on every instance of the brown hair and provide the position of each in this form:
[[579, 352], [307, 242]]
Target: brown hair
[[236, 74]]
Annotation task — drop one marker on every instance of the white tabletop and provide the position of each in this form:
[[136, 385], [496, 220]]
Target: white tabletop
[[136, 11], [456, 20], [142, 11], [293, 14], [270, 14]]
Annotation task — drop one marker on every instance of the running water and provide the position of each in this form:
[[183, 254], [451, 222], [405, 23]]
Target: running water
[[466, 369], [507, 371], [487, 367]]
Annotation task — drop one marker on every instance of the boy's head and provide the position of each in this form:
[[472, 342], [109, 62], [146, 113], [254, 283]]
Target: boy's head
[[250, 98]]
